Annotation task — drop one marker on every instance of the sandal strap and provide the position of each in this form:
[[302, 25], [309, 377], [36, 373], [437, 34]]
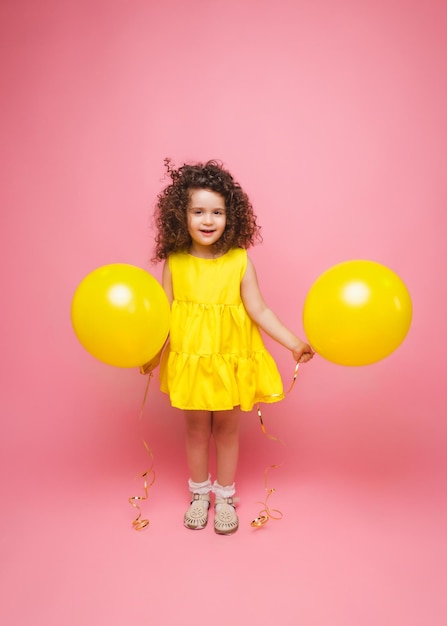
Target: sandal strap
[[230, 500], [200, 496]]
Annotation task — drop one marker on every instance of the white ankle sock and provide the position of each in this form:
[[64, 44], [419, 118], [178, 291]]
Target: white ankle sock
[[200, 488], [223, 492]]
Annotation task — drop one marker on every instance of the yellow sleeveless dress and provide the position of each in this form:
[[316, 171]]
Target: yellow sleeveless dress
[[216, 359]]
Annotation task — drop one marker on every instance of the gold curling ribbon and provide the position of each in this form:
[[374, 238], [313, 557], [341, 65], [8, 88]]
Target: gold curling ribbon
[[148, 476], [295, 374], [267, 513]]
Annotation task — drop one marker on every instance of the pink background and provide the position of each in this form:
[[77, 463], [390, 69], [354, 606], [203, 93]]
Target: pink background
[[332, 114]]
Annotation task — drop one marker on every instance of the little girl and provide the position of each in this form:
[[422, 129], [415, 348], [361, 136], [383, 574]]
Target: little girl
[[216, 364]]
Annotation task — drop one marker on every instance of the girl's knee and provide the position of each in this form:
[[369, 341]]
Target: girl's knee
[[225, 431]]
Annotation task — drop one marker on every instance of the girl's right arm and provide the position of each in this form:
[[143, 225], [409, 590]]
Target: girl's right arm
[[166, 282]]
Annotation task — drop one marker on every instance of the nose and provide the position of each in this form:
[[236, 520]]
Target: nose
[[207, 218]]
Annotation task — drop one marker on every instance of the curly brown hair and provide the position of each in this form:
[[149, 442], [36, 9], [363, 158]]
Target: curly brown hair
[[241, 229]]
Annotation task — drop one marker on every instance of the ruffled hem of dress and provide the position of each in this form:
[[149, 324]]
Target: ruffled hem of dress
[[245, 408], [220, 382]]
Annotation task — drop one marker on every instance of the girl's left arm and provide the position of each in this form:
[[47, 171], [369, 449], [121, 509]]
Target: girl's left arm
[[266, 319]]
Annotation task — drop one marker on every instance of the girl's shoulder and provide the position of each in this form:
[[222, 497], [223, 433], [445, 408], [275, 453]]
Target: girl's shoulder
[[176, 257], [236, 260], [237, 253]]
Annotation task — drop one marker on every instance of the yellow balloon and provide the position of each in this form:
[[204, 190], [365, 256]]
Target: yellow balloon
[[121, 315], [357, 313]]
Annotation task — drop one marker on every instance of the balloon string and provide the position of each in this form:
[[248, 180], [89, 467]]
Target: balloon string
[[145, 395], [148, 476], [267, 513], [295, 374]]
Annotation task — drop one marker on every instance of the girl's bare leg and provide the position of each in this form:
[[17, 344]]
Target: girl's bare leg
[[225, 429], [198, 433]]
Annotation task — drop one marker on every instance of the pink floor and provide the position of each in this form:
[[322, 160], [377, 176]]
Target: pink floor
[[360, 555]]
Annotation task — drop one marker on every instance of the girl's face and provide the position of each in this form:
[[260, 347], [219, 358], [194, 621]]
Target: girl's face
[[206, 220]]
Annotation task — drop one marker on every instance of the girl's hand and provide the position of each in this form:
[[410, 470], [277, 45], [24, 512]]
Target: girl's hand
[[303, 353], [149, 367]]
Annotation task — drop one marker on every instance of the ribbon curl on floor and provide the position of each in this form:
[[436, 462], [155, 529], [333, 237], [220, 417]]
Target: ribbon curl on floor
[[267, 513]]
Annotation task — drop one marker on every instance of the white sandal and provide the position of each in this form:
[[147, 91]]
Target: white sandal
[[226, 521], [196, 517]]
